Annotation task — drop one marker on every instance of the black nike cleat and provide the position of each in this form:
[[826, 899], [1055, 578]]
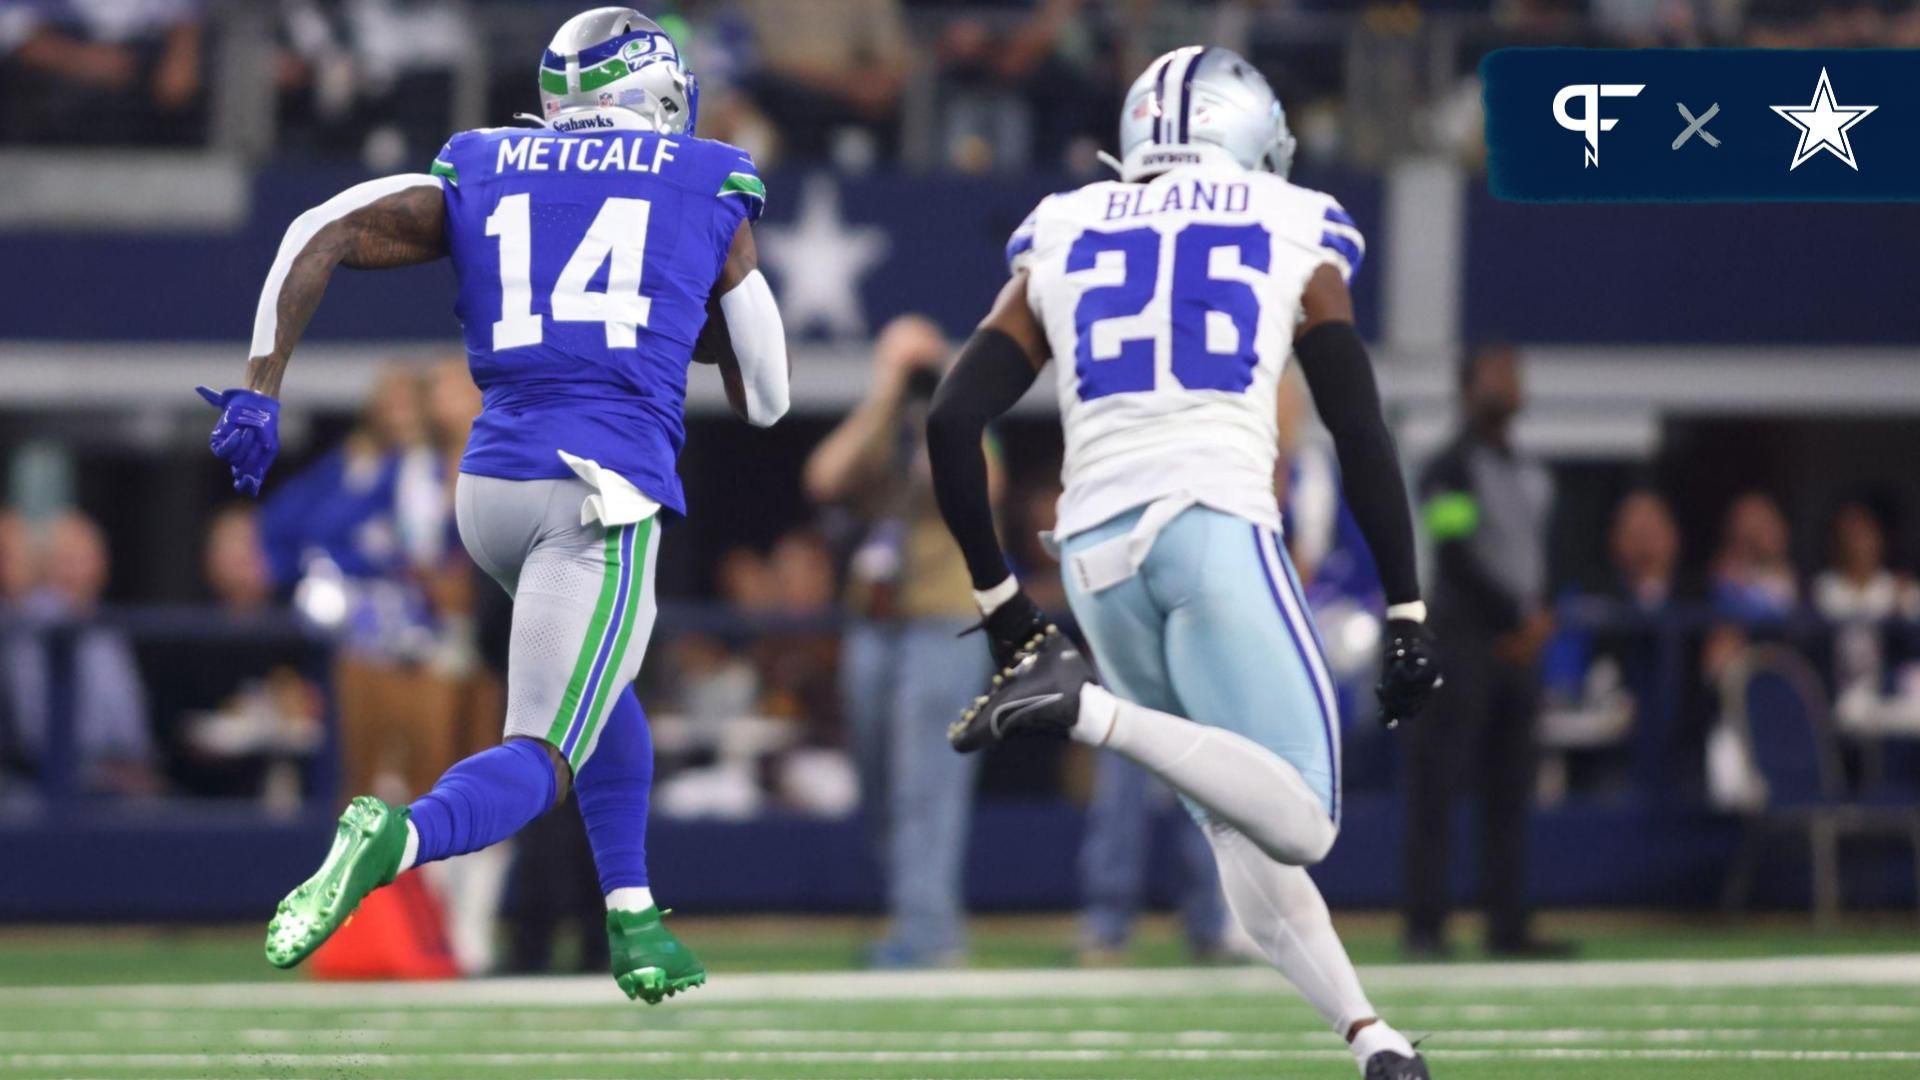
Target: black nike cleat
[[1387, 1065], [1039, 694]]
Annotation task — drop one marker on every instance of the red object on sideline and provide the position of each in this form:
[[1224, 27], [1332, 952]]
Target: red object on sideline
[[399, 933]]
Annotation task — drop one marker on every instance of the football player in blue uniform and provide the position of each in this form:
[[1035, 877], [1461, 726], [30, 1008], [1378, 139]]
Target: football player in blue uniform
[[597, 254]]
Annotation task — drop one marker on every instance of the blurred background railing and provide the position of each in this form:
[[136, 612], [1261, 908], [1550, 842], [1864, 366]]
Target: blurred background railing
[[1653, 763]]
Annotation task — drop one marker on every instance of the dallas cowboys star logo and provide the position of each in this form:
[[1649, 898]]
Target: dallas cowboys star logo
[[1823, 125], [821, 261]]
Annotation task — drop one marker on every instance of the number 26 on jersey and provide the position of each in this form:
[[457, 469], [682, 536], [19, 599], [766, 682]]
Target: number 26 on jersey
[[1195, 296]]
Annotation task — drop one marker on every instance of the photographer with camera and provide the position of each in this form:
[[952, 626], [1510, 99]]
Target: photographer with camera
[[904, 671]]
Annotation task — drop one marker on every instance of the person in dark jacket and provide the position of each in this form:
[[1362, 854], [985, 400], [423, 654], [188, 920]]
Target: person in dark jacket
[[1485, 507]]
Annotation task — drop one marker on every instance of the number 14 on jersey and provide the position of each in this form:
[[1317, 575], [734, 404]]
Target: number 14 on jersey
[[618, 233]]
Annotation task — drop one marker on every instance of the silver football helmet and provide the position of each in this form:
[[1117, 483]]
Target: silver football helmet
[[1201, 103], [617, 58]]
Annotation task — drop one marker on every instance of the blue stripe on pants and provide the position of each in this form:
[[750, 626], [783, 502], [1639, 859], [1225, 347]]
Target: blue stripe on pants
[[1306, 643]]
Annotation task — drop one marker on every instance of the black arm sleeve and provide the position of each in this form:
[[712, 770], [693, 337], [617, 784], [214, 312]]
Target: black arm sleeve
[[1341, 379], [990, 376]]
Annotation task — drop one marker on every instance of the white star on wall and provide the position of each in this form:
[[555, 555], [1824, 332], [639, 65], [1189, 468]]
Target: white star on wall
[[820, 261], [1823, 125]]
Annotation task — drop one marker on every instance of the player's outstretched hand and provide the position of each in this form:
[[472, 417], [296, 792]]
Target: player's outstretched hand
[[1409, 671], [247, 437], [1012, 627]]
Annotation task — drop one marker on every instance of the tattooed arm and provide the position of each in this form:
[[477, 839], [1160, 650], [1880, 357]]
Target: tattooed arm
[[397, 221], [394, 221]]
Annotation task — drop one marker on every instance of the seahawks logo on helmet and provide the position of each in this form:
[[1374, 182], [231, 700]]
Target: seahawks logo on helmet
[[642, 51]]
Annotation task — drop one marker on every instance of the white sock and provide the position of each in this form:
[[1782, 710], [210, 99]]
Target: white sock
[[632, 898], [1376, 1037], [1239, 781], [472, 887], [411, 852], [1281, 908], [1098, 710]]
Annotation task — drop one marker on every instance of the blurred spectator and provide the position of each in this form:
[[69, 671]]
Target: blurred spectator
[[247, 725], [17, 570], [1645, 546], [84, 71], [1128, 804], [1818, 24], [235, 564], [1486, 507], [1862, 597], [905, 670], [1596, 681], [350, 530], [16, 581], [440, 563], [1031, 89], [1753, 576], [797, 663], [113, 751], [1030, 517], [745, 581], [375, 78], [708, 681], [802, 571], [830, 74]]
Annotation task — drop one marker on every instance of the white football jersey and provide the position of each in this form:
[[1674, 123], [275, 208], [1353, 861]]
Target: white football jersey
[[1170, 306]]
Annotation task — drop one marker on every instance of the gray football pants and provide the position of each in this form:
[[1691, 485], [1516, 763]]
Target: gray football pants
[[583, 602]]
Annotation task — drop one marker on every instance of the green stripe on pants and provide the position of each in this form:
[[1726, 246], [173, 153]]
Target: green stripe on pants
[[610, 682], [596, 631]]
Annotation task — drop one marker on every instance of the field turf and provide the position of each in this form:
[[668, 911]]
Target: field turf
[[1703, 1011]]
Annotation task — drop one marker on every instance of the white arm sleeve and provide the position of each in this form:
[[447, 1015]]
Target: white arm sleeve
[[760, 344], [266, 317]]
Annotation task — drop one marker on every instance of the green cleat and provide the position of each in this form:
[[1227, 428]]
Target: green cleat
[[649, 963], [365, 855]]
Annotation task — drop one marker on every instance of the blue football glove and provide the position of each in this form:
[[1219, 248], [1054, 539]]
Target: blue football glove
[[247, 436]]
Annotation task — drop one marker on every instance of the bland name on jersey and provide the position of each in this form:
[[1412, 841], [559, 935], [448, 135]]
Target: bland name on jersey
[[1195, 195]]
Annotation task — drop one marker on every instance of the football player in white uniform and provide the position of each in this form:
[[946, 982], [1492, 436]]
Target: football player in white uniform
[[1171, 299]]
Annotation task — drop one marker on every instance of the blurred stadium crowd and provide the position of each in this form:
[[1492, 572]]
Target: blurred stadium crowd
[[807, 654], [973, 86]]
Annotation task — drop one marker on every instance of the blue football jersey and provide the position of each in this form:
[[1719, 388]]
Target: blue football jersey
[[585, 259]]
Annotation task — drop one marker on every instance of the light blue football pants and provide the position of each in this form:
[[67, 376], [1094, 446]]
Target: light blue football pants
[[1204, 621], [1213, 627]]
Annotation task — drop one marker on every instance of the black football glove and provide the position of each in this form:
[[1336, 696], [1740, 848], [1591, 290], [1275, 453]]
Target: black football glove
[[1409, 671], [1012, 627]]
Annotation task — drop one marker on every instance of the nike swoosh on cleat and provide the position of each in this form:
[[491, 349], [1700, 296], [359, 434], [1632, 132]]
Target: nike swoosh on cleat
[[1013, 710]]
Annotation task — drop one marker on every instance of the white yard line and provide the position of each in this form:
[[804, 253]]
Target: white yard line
[[399, 1039], [574, 991], [278, 1061]]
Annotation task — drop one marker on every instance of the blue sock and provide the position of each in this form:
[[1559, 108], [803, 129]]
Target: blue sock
[[484, 799], [613, 789]]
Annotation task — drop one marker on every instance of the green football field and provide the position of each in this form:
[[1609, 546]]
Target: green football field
[[1695, 1003]]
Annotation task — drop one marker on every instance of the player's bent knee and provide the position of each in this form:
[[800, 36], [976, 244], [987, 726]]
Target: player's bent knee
[[562, 770], [1298, 843]]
